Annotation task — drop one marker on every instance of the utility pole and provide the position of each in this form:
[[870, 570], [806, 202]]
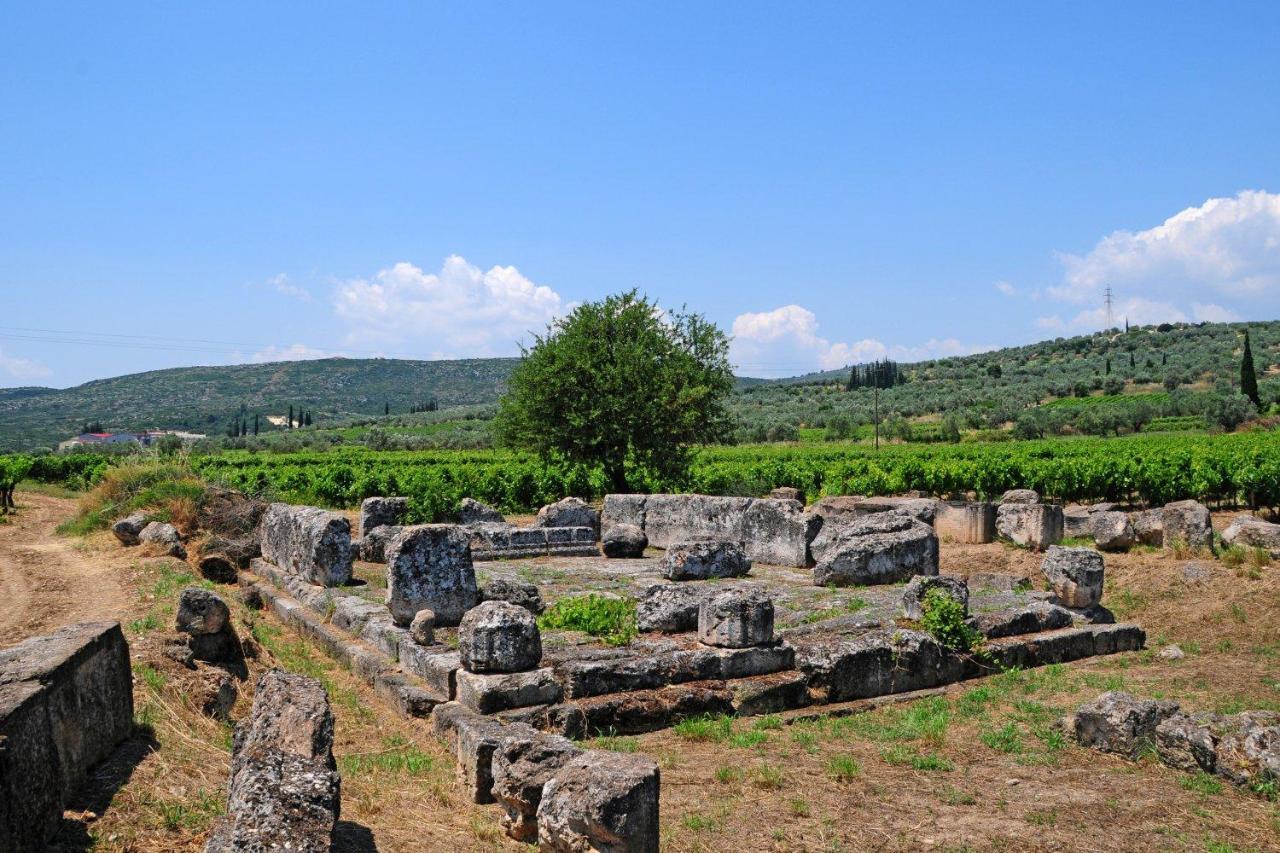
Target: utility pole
[[877, 418], [1110, 320]]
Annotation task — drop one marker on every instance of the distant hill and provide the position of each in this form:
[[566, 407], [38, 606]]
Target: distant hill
[[209, 399], [986, 389]]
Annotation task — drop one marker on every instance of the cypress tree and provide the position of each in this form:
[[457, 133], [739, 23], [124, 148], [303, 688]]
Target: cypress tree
[[290, 416], [386, 408], [255, 425], [1249, 375]]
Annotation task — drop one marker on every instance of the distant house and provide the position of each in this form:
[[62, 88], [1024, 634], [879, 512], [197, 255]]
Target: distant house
[[145, 438]]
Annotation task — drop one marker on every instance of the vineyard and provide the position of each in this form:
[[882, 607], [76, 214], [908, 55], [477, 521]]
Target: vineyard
[[1235, 468]]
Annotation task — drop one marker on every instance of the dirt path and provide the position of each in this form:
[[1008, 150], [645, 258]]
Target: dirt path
[[47, 580]]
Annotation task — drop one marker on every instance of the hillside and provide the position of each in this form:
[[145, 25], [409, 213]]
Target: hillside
[[208, 399], [981, 391]]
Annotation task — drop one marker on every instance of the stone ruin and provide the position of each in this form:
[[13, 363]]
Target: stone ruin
[[723, 630]]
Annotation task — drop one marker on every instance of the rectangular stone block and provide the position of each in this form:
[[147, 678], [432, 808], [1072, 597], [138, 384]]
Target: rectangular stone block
[[435, 665], [351, 612], [384, 635], [966, 523], [770, 694], [66, 701], [308, 541], [487, 693]]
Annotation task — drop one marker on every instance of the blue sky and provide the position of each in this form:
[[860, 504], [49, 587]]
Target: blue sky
[[184, 185]]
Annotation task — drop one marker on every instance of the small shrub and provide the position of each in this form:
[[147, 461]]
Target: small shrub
[[613, 620], [944, 619], [1007, 738]]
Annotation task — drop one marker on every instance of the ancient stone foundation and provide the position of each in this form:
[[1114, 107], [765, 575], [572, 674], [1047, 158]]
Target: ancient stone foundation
[[66, 701], [308, 541], [965, 523]]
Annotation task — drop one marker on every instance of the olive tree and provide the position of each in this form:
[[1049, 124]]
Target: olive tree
[[621, 385]]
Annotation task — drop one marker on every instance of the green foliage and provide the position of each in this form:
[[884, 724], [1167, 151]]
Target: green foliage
[[943, 617], [613, 620], [706, 727], [619, 384]]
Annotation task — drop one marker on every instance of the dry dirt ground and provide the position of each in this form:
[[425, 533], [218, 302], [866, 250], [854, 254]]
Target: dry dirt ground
[[979, 768]]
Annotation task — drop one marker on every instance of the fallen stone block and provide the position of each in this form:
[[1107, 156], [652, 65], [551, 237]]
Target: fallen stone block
[[477, 737], [1187, 523], [1189, 741], [624, 541], [204, 618], [1075, 575], [965, 523], [429, 566], [670, 607], [568, 512], [471, 511], [128, 528], [772, 531], [601, 801], [876, 663], [1031, 525], [521, 768], [787, 493], [1020, 496], [881, 548], [487, 693], [1246, 531], [686, 561], [1249, 747], [1112, 531], [351, 612], [380, 512], [164, 537], [498, 636], [66, 701], [284, 791], [1148, 526], [919, 587], [309, 542], [1120, 723]]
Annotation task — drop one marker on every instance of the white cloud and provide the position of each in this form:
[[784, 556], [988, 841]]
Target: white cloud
[[1006, 288], [294, 352], [460, 311], [1052, 323], [283, 284], [1210, 313], [22, 368], [1227, 246], [786, 341]]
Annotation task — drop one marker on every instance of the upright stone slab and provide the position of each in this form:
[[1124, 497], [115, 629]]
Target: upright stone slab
[[429, 566], [472, 511], [308, 541], [1148, 526], [522, 766], [964, 522], [1112, 531], [376, 512], [736, 619], [284, 788], [1031, 525], [568, 512], [66, 701], [771, 531], [882, 548], [685, 561], [1187, 523]]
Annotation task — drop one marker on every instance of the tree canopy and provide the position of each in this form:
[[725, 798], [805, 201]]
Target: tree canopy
[[623, 385]]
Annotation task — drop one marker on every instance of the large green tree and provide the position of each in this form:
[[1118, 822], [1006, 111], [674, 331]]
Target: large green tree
[[1249, 374], [622, 385]]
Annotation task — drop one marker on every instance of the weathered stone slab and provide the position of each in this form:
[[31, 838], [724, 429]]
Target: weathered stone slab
[[1187, 523], [964, 522], [309, 542], [769, 694], [372, 547], [624, 541], [516, 592], [1112, 531], [380, 512], [498, 636], [650, 710], [351, 612], [568, 512], [471, 511], [487, 693], [670, 607], [435, 665], [1075, 575], [601, 801], [1031, 619], [1148, 526], [1031, 525], [1020, 496], [736, 619], [385, 636], [521, 768], [66, 701], [1246, 531], [880, 548], [284, 789], [477, 737], [429, 566], [644, 670], [787, 493], [771, 531], [1189, 741], [685, 561], [1121, 723]]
